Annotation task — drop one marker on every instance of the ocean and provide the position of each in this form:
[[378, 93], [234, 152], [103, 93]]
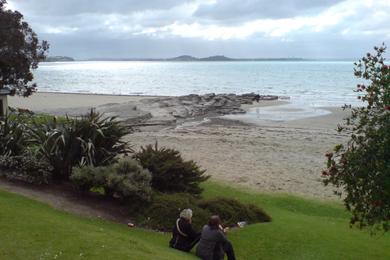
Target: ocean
[[311, 83]]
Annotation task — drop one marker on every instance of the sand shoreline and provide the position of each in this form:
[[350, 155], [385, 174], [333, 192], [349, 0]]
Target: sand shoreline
[[267, 156]]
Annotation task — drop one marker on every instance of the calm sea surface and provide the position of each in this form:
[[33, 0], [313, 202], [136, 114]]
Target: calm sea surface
[[322, 83]]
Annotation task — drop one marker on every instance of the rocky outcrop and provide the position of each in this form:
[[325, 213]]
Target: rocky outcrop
[[206, 105], [172, 110]]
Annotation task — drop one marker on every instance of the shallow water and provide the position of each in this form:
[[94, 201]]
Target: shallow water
[[282, 113]]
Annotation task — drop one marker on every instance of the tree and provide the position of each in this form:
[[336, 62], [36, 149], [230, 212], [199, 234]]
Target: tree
[[361, 168], [20, 52]]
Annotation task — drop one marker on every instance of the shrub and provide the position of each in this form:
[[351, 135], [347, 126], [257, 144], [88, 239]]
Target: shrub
[[232, 211], [89, 140], [170, 173], [12, 137], [126, 180], [362, 167], [25, 168], [129, 180], [87, 177], [165, 209]]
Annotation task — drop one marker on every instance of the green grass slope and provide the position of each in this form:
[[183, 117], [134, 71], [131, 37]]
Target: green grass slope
[[301, 229]]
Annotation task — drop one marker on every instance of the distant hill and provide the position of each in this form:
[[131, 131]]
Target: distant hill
[[58, 58], [217, 58], [183, 58]]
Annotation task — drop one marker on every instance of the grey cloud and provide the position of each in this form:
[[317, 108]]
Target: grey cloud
[[255, 9], [74, 7]]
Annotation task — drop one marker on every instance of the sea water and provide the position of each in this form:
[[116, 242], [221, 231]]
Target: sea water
[[308, 83]]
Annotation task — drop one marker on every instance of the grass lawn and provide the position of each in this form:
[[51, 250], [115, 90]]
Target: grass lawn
[[301, 229]]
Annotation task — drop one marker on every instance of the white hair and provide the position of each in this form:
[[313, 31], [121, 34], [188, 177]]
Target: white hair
[[186, 214]]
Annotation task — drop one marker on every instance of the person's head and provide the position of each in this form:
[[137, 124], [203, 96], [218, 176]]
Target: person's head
[[186, 214], [214, 222]]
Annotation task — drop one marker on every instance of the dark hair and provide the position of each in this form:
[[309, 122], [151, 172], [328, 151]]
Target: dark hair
[[214, 222]]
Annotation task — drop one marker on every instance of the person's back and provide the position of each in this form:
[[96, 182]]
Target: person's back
[[213, 243], [183, 236], [210, 244]]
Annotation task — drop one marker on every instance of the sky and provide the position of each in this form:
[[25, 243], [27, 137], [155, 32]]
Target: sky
[[332, 29]]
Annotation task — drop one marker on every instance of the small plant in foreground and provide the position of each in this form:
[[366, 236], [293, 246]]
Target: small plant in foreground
[[170, 173]]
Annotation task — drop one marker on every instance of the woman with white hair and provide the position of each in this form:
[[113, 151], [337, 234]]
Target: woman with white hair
[[184, 237]]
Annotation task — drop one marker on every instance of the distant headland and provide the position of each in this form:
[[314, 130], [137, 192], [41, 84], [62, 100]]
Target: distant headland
[[58, 58]]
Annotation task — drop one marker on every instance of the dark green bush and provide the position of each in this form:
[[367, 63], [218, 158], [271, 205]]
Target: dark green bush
[[165, 209], [89, 140], [25, 168], [232, 211], [126, 180], [170, 172]]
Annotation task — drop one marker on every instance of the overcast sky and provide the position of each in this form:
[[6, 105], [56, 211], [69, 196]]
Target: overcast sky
[[235, 28]]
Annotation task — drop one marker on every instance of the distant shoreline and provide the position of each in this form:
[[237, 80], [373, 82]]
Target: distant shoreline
[[187, 58]]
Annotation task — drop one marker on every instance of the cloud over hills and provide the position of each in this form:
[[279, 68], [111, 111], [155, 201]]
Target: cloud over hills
[[237, 28]]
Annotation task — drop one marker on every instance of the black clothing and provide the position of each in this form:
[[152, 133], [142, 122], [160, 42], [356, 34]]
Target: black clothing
[[184, 237], [213, 245]]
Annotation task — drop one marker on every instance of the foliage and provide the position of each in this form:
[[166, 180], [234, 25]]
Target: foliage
[[87, 177], [232, 211], [25, 168], [170, 172], [20, 52], [126, 180], [165, 208], [89, 140], [130, 181], [362, 167], [12, 137]]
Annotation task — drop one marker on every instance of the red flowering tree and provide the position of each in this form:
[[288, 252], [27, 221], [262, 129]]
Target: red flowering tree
[[20, 52], [361, 168]]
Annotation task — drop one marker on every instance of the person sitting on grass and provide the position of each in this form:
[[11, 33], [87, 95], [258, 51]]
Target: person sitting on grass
[[184, 237], [213, 243]]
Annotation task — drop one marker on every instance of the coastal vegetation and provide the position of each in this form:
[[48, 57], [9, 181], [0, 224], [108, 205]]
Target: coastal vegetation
[[88, 153], [361, 168]]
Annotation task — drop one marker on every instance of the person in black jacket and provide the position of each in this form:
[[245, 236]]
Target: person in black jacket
[[213, 243], [184, 237]]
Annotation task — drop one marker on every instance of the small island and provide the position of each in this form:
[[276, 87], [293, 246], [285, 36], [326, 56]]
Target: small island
[[58, 59]]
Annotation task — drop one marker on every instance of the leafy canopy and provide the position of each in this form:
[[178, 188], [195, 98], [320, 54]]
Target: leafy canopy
[[20, 52], [362, 167]]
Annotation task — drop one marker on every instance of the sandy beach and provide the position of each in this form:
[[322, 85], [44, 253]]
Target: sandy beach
[[270, 156]]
